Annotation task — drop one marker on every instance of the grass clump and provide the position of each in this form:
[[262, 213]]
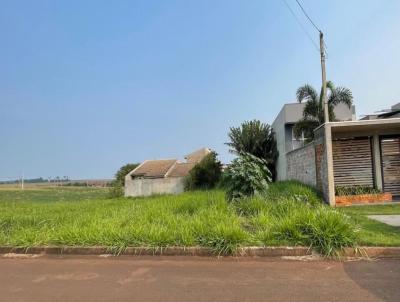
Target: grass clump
[[297, 223]]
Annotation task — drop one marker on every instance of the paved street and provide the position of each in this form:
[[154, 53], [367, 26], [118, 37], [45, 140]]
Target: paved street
[[196, 279]]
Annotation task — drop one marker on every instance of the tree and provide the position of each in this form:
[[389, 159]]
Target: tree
[[246, 176], [313, 112], [206, 174], [256, 138], [117, 186]]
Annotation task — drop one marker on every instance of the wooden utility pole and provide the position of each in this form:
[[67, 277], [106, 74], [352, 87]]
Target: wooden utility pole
[[324, 95]]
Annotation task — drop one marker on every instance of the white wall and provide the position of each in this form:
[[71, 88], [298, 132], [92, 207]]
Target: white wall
[[146, 186]]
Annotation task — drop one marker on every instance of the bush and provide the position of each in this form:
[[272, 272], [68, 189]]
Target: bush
[[256, 138], [355, 190], [206, 174], [246, 176], [117, 186]]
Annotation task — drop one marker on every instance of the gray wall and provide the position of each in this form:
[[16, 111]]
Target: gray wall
[[149, 186], [301, 165]]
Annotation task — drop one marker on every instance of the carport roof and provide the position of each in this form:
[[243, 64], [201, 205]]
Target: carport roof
[[379, 126], [373, 126]]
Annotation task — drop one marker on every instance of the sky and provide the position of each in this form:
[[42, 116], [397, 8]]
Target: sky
[[87, 86]]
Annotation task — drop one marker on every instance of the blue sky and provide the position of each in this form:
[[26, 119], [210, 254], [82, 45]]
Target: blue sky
[[86, 86]]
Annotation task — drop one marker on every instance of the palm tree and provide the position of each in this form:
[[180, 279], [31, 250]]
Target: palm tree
[[313, 112]]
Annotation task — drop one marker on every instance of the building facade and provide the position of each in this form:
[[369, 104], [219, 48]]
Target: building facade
[[283, 126]]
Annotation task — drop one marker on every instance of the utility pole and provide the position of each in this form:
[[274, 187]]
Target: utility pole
[[22, 181], [324, 96]]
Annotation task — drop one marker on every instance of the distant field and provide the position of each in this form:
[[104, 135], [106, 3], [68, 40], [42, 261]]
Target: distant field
[[43, 193], [74, 183]]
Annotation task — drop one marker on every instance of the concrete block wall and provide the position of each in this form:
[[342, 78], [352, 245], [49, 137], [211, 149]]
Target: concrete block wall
[[301, 165], [147, 187]]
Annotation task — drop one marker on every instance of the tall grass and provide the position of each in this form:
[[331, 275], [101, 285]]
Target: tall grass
[[295, 223], [290, 214]]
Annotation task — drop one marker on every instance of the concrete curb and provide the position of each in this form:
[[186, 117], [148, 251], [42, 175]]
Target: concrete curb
[[360, 252], [167, 251], [372, 252]]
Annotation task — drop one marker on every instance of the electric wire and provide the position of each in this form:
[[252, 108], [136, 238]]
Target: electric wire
[[307, 16], [301, 25]]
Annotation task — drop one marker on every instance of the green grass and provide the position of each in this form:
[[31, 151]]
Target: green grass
[[372, 232], [50, 194], [290, 214]]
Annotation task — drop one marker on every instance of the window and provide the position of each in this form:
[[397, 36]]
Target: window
[[298, 142]]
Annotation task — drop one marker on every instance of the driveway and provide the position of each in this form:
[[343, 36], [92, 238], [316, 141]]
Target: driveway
[[196, 279]]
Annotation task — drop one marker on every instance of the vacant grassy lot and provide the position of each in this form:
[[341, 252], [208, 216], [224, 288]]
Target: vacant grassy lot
[[290, 214]]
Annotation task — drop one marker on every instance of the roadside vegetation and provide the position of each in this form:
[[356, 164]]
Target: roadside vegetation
[[288, 214]]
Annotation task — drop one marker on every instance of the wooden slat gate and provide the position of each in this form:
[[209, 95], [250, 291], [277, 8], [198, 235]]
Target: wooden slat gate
[[352, 162], [390, 150]]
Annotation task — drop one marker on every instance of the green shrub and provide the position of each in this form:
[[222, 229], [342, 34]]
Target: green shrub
[[206, 174], [355, 190], [247, 175], [256, 138], [117, 186]]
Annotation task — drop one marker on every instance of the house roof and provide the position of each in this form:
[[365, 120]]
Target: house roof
[[169, 167], [197, 155], [153, 168], [180, 169]]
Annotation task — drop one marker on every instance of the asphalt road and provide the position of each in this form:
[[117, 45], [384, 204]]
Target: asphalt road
[[196, 279]]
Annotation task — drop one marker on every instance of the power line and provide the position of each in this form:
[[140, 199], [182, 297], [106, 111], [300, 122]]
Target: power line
[[312, 22], [301, 25], [308, 17]]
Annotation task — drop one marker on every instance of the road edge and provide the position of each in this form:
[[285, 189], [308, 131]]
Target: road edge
[[280, 251]]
